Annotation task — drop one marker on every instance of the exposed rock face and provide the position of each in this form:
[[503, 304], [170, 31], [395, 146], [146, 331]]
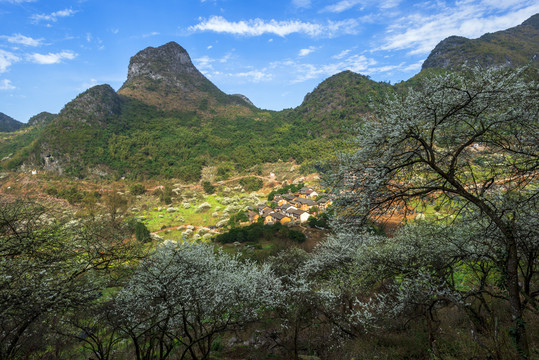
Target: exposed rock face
[[514, 47], [41, 119], [8, 124], [166, 77], [169, 63]]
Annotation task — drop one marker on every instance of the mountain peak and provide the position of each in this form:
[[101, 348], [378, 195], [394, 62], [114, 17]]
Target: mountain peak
[[8, 124], [513, 47], [94, 105], [164, 63], [165, 77]]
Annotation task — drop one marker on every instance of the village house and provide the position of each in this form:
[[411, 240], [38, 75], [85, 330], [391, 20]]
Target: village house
[[303, 204], [253, 216], [299, 215], [323, 203], [307, 193], [290, 207], [282, 218]]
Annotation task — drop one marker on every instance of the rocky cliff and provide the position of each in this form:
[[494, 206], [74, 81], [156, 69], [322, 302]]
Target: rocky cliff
[[166, 77]]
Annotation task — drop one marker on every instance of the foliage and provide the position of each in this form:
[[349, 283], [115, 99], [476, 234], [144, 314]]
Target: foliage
[[251, 183], [258, 231], [71, 194], [237, 218], [50, 267], [186, 295], [142, 234], [322, 221], [292, 188], [137, 189], [425, 144], [208, 187]]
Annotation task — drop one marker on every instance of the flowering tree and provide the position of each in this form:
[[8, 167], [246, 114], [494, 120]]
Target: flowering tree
[[48, 267], [470, 141], [186, 294]]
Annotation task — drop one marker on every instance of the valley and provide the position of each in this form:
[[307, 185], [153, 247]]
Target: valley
[[170, 220]]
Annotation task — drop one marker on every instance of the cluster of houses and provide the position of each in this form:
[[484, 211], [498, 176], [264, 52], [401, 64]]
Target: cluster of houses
[[290, 207]]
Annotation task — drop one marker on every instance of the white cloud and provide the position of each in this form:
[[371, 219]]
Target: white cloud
[[342, 6], [88, 84], [341, 54], [52, 17], [17, 1], [301, 3], [52, 58], [254, 75], [22, 40], [204, 63], [5, 84], [6, 59], [305, 52], [153, 33], [209, 47], [304, 72], [257, 27], [389, 4], [419, 33]]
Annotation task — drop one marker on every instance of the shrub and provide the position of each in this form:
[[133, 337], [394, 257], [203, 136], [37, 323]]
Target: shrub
[[137, 189], [251, 183], [208, 187]]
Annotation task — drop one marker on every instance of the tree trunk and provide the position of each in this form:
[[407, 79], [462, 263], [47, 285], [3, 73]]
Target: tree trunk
[[518, 331]]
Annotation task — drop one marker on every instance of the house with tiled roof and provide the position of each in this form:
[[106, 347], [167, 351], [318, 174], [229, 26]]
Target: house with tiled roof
[[307, 193], [282, 218], [303, 204], [324, 203], [253, 216], [299, 215]]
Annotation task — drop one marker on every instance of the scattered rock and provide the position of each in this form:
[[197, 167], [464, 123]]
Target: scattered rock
[[172, 209]]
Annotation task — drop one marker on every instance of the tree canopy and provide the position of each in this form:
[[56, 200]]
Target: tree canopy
[[469, 140]]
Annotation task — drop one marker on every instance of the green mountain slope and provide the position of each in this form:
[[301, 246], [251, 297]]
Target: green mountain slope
[[8, 124], [514, 47], [41, 119], [338, 103], [168, 120]]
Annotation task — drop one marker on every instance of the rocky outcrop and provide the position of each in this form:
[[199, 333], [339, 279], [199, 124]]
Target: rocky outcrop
[[166, 77], [169, 63]]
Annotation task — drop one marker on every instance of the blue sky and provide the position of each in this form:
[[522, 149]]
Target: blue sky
[[274, 52]]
